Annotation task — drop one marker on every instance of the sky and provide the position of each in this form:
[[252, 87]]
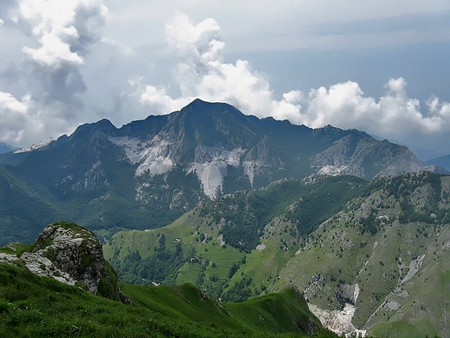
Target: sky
[[375, 65]]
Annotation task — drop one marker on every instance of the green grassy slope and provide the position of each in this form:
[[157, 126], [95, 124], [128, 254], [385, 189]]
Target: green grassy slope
[[23, 210], [213, 246], [392, 238], [399, 265], [33, 306]]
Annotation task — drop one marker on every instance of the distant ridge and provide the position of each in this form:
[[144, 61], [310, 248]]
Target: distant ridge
[[149, 172], [443, 161]]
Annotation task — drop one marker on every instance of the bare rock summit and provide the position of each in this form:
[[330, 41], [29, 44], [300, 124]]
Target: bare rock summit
[[72, 254]]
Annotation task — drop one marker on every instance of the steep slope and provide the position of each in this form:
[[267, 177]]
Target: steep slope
[[148, 173], [224, 231], [368, 256], [359, 155], [32, 304], [390, 247], [23, 210]]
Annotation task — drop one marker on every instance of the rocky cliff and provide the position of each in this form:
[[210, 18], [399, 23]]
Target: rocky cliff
[[72, 255], [148, 173]]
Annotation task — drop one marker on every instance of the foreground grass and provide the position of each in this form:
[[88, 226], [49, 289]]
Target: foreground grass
[[33, 306]]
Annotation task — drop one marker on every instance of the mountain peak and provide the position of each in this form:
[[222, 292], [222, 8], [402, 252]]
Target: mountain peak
[[103, 125], [204, 108], [199, 102]]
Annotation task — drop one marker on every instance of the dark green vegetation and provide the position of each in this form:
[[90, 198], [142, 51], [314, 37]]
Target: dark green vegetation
[[23, 212], [291, 226], [148, 173], [33, 306], [390, 236], [247, 213], [240, 219]]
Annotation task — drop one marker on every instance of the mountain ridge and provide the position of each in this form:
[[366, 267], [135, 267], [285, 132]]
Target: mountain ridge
[[373, 261], [443, 161], [148, 173]]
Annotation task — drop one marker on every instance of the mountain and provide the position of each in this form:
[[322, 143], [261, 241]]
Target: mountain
[[148, 173], [368, 256], [443, 161], [23, 210], [61, 285]]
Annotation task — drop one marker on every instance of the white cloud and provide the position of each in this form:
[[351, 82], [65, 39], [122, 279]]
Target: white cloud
[[66, 67], [63, 28], [394, 115], [60, 35], [63, 31], [202, 73], [24, 121]]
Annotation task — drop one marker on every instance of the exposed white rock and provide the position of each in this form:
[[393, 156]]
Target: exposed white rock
[[62, 252], [71, 255], [154, 162], [140, 193], [332, 170], [249, 171], [339, 321], [132, 147], [220, 239], [413, 267], [42, 266], [393, 305], [93, 178], [211, 176], [260, 247], [152, 156], [7, 258], [211, 167], [33, 147]]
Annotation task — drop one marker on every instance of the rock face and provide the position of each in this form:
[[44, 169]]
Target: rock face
[[340, 321], [72, 254], [167, 165], [347, 294]]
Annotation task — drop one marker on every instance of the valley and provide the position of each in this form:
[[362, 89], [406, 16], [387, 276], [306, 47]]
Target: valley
[[148, 173], [237, 209], [391, 253]]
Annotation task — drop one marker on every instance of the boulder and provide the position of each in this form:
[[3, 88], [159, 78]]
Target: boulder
[[73, 255]]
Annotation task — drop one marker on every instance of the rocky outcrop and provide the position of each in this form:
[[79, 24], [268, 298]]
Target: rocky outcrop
[[347, 293], [360, 155], [72, 255], [340, 321]]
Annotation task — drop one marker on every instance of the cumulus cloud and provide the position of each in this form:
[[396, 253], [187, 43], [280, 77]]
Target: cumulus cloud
[[394, 115], [202, 73], [61, 60], [25, 122], [60, 35], [64, 29]]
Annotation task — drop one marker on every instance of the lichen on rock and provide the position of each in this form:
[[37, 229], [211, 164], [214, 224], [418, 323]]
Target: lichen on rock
[[72, 254]]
